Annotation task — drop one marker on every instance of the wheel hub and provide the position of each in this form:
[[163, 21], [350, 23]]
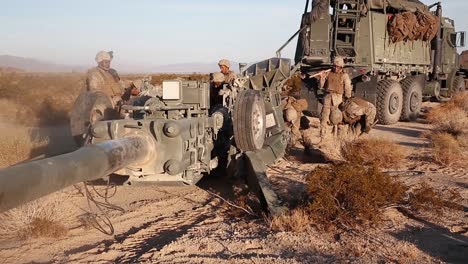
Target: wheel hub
[[414, 102], [258, 123], [394, 104]]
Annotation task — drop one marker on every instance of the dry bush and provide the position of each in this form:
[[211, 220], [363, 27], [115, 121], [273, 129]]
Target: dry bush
[[40, 218], [46, 99], [298, 220], [16, 146], [42, 98], [425, 197], [374, 152], [461, 100], [463, 140], [446, 148], [449, 118], [351, 194]]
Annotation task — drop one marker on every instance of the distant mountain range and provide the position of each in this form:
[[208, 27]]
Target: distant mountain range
[[34, 65]]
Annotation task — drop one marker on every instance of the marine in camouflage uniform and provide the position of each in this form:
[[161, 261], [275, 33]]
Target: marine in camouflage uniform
[[337, 85], [359, 110], [105, 79], [216, 86], [293, 111], [229, 75]]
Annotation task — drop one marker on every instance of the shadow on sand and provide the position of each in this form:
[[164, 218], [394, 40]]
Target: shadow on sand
[[435, 240]]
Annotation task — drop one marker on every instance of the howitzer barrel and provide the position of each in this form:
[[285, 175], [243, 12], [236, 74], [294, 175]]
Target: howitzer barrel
[[28, 181]]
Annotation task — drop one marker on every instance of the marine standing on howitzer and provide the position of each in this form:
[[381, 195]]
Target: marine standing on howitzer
[[104, 79], [229, 75], [217, 82]]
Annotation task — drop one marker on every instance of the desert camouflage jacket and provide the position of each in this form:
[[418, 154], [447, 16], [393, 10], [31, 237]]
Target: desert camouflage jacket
[[229, 77], [108, 82]]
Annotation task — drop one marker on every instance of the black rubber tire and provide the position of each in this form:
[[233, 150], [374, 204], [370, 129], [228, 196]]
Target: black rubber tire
[[458, 85], [249, 107], [88, 108], [389, 101], [412, 98]]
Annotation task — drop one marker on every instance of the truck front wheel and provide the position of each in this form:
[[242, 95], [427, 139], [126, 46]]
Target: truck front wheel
[[389, 101], [412, 98]]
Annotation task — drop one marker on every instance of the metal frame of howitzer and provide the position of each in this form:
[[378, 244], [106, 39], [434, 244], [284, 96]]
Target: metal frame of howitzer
[[176, 137]]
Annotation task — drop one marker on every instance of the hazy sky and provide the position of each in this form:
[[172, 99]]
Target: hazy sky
[[157, 32]]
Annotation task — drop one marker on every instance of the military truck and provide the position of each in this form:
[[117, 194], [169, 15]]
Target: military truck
[[391, 64]]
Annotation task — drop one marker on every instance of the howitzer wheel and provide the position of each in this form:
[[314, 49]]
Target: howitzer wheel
[[88, 108], [412, 98], [249, 120]]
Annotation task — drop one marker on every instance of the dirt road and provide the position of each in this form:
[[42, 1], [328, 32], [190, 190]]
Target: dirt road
[[189, 225]]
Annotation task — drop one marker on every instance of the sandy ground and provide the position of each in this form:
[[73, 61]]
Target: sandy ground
[[189, 225]]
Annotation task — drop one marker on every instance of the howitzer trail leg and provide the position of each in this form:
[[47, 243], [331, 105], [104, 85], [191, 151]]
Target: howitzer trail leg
[[258, 183]]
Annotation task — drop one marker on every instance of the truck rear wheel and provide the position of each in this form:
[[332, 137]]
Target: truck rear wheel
[[458, 85], [412, 98], [249, 121], [389, 101]]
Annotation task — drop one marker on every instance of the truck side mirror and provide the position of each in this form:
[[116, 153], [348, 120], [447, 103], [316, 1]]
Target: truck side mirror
[[242, 67], [462, 39], [459, 39]]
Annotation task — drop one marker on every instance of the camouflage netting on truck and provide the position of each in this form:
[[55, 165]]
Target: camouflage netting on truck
[[402, 5], [320, 7], [410, 26]]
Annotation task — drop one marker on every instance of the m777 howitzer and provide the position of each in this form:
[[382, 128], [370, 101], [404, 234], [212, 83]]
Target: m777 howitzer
[[175, 136]]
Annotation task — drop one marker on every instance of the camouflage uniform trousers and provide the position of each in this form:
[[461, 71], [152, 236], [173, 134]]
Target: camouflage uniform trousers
[[331, 100], [293, 109]]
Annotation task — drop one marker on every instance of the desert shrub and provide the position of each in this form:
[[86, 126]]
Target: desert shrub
[[41, 98], [351, 194], [40, 218], [461, 100], [425, 197], [449, 118], [445, 148], [463, 140], [45, 99], [16, 145], [374, 152], [298, 220]]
